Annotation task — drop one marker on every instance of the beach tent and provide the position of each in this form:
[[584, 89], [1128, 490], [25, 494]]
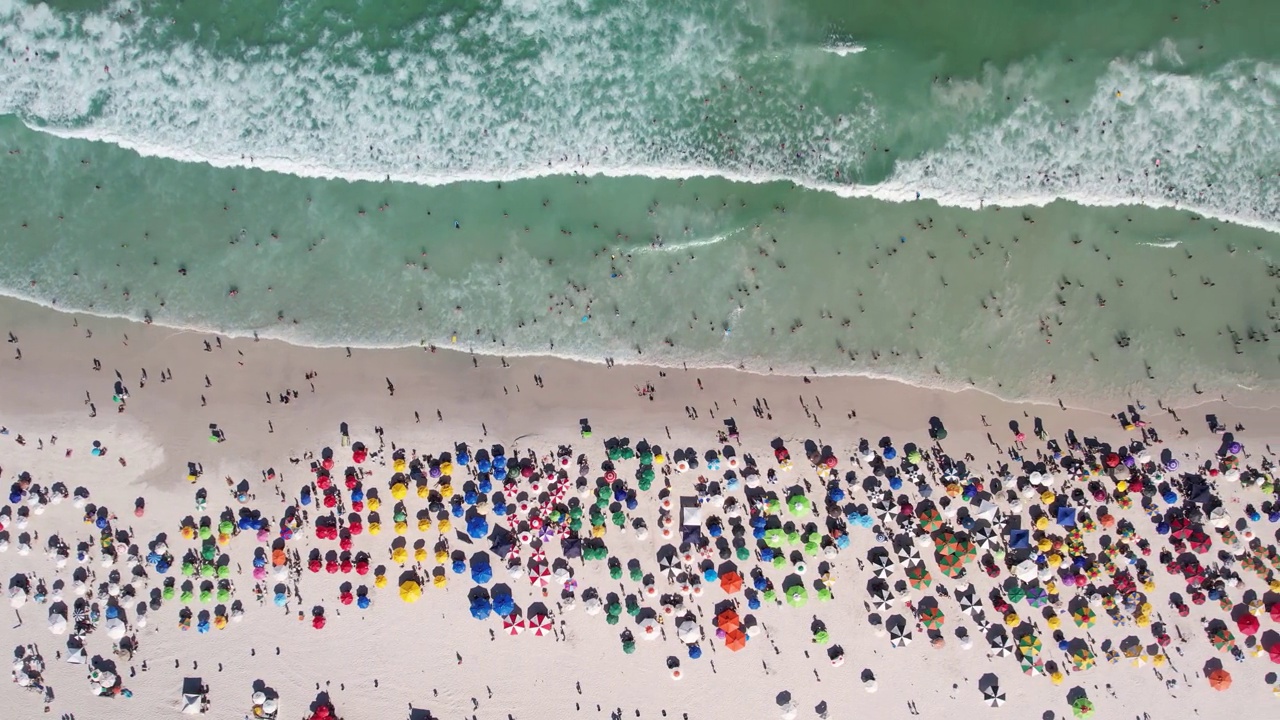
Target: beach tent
[[1019, 539], [191, 703], [75, 656]]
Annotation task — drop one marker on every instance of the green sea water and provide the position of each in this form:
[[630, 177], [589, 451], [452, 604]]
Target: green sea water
[[987, 193]]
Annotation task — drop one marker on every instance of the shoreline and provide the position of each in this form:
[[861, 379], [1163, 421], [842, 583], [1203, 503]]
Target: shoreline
[[1246, 400]]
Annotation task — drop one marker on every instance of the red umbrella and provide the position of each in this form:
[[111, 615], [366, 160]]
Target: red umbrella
[[539, 625], [352, 482], [831, 461], [540, 575], [1248, 624], [345, 598], [327, 463], [1199, 541], [1112, 460], [1275, 612], [346, 566], [1275, 653], [331, 567], [1180, 527], [314, 565], [318, 622]]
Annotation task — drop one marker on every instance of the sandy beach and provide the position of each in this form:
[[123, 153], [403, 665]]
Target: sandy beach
[[188, 401]]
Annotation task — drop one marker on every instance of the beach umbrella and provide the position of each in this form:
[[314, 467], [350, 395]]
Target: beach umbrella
[[1029, 644], [1082, 708], [1032, 667], [797, 596], [649, 628], [1222, 639], [513, 624], [735, 640], [969, 603], [1220, 679], [882, 565], [1001, 644], [919, 576], [899, 636], [993, 696], [539, 625], [932, 617], [1084, 616], [1083, 658], [687, 631], [481, 608], [881, 597], [1037, 597], [731, 582], [908, 554], [410, 591], [1248, 624]]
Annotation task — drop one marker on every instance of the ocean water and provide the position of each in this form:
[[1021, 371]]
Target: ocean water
[[801, 186]]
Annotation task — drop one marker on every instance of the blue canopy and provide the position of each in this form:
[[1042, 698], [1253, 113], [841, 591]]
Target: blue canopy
[[1067, 516], [1019, 539], [481, 608]]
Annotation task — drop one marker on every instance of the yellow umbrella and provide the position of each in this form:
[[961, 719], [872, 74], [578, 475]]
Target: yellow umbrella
[[424, 524], [373, 504], [420, 555], [380, 581], [439, 580], [445, 526], [375, 528], [410, 591], [442, 556], [399, 555], [398, 491]]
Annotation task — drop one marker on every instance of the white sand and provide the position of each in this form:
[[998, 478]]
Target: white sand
[[410, 651]]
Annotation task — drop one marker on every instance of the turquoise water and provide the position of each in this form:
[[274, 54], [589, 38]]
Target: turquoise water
[[682, 141]]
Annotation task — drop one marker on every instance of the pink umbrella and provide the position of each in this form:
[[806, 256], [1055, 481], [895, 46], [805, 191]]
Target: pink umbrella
[[513, 624], [539, 625]]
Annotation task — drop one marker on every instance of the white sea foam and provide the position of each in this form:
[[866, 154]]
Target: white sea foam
[[844, 49], [1163, 244], [453, 112]]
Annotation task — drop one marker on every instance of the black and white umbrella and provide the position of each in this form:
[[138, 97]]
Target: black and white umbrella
[[994, 696], [899, 636]]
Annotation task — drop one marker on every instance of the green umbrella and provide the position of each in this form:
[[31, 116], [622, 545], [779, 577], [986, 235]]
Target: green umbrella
[[206, 596], [743, 553], [208, 552], [774, 537], [633, 607], [769, 595], [207, 571], [575, 512], [611, 619], [644, 484], [797, 596], [226, 527], [615, 572], [637, 574], [1082, 707], [779, 561], [206, 532], [185, 596], [822, 637], [811, 548], [629, 646], [799, 505], [793, 537], [824, 594], [619, 518], [188, 569], [646, 458], [1016, 594], [224, 571], [167, 593], [613, 608], [224, 595]]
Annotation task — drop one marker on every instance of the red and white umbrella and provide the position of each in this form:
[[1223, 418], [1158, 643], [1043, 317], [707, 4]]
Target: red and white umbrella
[[539, 575], [513, 624], [539, 625], [539, 554]]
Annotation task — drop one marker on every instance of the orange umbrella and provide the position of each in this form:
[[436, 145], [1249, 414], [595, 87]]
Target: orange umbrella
[[731, 582], [1219, 679], [735, 640], [727, 621]]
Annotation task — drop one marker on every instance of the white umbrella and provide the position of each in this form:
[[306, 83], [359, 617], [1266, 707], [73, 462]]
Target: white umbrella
[[57, 623], [687, 632], [592, 605], [258, 698], [76, 656], [115, 628], [17, 597], [270, 705], [648, 628]]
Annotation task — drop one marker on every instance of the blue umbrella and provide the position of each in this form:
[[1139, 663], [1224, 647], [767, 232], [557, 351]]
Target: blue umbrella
[[500, 462], [203, 627], [462, 458], [459, 566], [503, 604], [281, 600], [481, 608], [363, 602], [477, 526], [484, 466], [481, 574], [695, 652]]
